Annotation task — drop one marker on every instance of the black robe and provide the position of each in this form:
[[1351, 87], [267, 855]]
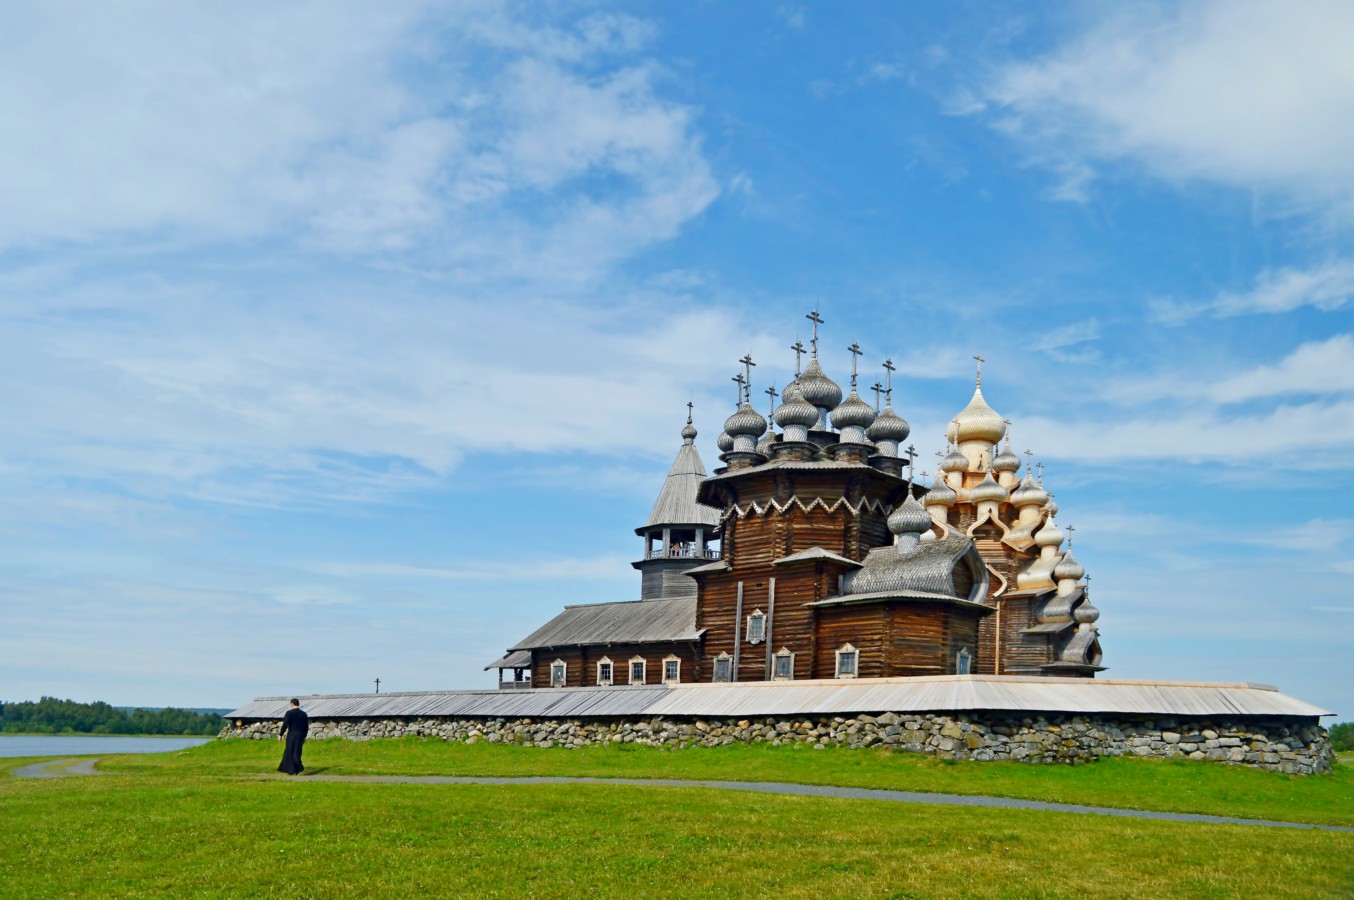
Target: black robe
[[295, 727]]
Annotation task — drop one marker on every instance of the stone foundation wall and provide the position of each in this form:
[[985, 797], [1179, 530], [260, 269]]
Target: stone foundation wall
[[1292, 744]]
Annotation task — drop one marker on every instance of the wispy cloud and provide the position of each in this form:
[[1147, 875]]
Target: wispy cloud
[[1326, 287]]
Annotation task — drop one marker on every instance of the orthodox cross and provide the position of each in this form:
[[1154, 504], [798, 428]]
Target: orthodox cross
[[878, 389], [689, 406], [378, 685], [1029, 462], [1087, 592], [798, 348], [1007, 423], [888, 380], [911, 454], [980, 359], [741, 381], [1070, 529], [855, 352], [771, 392], [747, 367], [1040, 467], [816, 320]]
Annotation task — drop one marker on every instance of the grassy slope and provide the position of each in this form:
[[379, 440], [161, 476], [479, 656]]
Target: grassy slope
[[176, 835], [1176, 786]]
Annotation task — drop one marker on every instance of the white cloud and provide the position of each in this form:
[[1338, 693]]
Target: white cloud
[[1326, 287], [1240, 92]]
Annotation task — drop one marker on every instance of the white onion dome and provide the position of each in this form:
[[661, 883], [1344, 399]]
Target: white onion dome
[[1085, 614], [688, 433], [746, 421], [988, 489], [940, 494], [887, 426], [853, 411], [1051, 507], [1050, 535], [910, 518], [1069, 568], [1029, 494], [955, 462], [795, 410], [724, 442], [1006, 461], [977, 422], [817, 388]]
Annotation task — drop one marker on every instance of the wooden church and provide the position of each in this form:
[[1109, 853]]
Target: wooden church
[[811, 556]]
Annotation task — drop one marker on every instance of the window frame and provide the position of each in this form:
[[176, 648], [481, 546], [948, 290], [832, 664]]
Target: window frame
[[727, 659], [854, 653], [761, 622], [787, 654], [677, 660], [611, 672], [963, 662], [563, 668], [643, 670]]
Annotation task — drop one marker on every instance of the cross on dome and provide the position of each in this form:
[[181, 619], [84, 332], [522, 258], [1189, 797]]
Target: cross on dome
[[816, 320], [855, 352], [798, 348], [889, 369], [878, 390], [980, 359], [771, 392], [747, 368]]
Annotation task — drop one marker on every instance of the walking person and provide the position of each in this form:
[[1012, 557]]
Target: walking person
[[295, 727]]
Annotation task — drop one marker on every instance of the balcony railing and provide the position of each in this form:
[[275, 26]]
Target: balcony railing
[[683, 553], [513, 685]]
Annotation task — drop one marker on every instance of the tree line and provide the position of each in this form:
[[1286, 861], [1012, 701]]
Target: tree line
[[1342, 736], [52, 716]]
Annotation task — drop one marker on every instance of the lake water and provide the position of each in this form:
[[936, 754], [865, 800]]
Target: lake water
[[84, 745]]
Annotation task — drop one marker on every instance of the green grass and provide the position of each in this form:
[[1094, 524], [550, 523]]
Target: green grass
[[1172, 786], [175, 834]]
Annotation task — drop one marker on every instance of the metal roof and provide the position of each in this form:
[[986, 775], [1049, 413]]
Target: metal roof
[[676, 503], [518, 659], [928, 567], [629, 622], [941, 693]]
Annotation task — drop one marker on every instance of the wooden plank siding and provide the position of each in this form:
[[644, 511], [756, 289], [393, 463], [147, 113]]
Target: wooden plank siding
[[581, 663]]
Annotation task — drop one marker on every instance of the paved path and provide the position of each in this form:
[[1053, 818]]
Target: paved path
[[63, 767]]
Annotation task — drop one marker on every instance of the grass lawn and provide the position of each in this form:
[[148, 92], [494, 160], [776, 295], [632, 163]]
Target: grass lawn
[[1173, 786], [173, 833]]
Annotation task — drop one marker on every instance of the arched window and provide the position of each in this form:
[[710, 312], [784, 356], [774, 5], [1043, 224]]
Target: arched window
[[783, 665], [848, 662], [637, 670], [723, 667], [672, 669], [559, 671], [604, 671]]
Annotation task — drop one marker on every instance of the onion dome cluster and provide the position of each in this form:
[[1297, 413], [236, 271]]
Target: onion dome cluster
[[888, 430], [819, 391], [795, 414], [745, 426]]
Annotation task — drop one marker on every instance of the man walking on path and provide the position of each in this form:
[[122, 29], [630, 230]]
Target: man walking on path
[[295, 727]]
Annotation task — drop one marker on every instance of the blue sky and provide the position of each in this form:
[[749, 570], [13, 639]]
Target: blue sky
[[345, 340]]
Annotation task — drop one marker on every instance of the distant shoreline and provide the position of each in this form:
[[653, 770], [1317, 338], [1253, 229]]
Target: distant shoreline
[[98, 734]]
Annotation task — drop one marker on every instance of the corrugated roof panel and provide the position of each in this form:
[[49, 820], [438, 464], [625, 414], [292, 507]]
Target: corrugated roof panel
[[955, 693], [629, 622]]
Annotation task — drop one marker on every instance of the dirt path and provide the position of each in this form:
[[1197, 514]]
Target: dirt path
[[64, 767]]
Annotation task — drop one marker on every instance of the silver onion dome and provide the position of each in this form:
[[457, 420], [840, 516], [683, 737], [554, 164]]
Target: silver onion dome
[[1051, 507], [1006, 461], [977, 422], [853, 412], [988, 489], [954, 462], [1068, 568], [724, 442], [745, 421], [817, 388], [887, 426], [940, 494], [1050, 535], [795, 410], [688, 432], [1086, 613], [910, 518], [766, 443], [1029, 494]]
